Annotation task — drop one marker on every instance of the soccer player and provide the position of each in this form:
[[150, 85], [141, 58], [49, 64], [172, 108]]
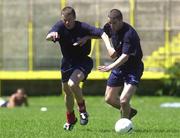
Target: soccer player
[[127, 68], [74, 38], [17, 99]]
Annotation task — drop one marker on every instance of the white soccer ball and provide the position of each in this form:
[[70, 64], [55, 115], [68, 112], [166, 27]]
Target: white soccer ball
[[123, 125], [43, 109]]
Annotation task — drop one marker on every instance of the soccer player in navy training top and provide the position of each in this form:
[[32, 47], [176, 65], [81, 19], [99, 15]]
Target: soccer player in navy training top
[[128, 67], [74, 39]]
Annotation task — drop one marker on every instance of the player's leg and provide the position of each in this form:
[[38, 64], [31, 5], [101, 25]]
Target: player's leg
[[113, 88], [69, 103], [131, 80], [125, 97], [68, 98], [112, 96], [74, 81]]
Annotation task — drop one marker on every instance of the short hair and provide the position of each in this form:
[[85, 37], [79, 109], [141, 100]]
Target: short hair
[[66, 11], [116, 14], [22, 90]]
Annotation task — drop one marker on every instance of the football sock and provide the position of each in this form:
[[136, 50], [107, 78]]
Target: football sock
[[82, 107], [70, 116]]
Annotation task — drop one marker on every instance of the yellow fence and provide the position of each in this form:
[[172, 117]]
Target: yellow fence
[[150, 60], [26, 24]]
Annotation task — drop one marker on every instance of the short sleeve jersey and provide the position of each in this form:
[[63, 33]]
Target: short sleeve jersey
[[126, 41], [69, 36]]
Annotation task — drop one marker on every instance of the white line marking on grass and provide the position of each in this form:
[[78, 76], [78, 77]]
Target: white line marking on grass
[[171, 105]]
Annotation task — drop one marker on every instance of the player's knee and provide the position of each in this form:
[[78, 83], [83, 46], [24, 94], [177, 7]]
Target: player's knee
[[108, 99], [71, 84]]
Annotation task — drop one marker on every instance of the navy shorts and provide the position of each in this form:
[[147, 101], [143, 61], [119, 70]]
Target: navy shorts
[[119, 77], [67, 68]]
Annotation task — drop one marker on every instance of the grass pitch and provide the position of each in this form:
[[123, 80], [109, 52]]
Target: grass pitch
[[152, 121]]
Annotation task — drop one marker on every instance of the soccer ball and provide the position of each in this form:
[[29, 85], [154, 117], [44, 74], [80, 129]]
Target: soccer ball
[[123, 126]]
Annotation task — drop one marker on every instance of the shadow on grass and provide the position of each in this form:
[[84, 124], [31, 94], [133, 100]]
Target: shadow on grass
[[157, 130], [99, 130]]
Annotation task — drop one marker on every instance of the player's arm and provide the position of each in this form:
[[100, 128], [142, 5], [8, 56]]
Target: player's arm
[[97, 33], [11, 102], [104, 36], [120, 61], [101, 33], [53, 33], [52, 36], [82, 41], [110, 49]]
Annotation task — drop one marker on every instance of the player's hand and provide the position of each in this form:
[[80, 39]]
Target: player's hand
[[53, 36], [81, 41], [104, 68]]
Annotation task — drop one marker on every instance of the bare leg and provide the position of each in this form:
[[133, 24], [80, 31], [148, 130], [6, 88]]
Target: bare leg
[[69, 103], [112, 96], [68, 98], [73, 83], [125, 97]]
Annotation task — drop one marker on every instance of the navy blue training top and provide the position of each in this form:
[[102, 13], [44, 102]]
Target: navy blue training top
[[70, 36], [126, 41]]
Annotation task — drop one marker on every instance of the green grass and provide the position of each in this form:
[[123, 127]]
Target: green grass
[[152, 121]]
